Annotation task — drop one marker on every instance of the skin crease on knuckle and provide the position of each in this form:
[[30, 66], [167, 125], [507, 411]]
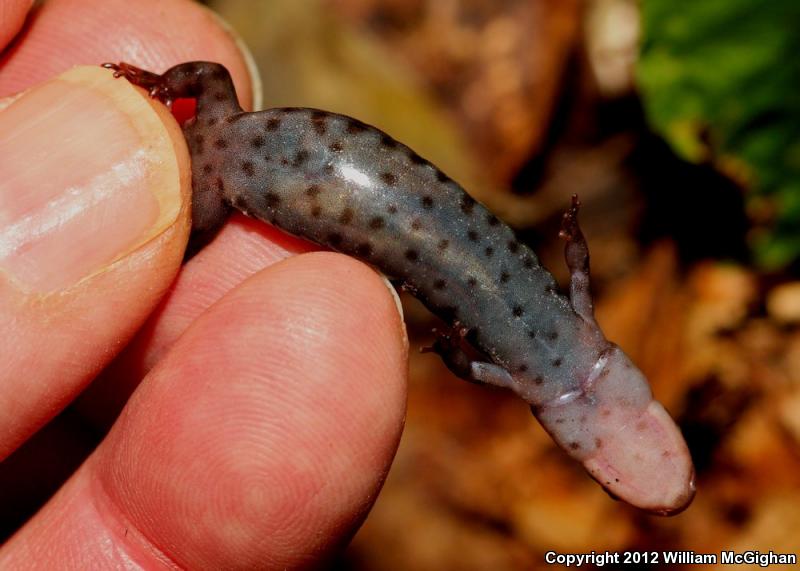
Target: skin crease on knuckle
[[348, 186]]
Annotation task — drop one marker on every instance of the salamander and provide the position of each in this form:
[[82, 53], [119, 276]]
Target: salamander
[[350, 187]]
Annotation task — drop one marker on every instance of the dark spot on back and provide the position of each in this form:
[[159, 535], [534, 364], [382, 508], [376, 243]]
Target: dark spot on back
[[272, 199], [557, 362], [553, 335], [391, 209], [300, 157], [336, 147], [467, 204], [504, 277], [472, 235], [219, 184], [439, 284], [559, 421], [284, 161], [364, 250], [574, 445], [248, 168], [492, 220], [257, 142], [416, 224], [316, 211], [443, 244], [346, 217], [472, 282], [328, 168], [412, 255], [538, 380], [427, 202], [523, 368], [313, 190], [212, 121], [415, 158], [513, 246], [489, 251], [389, 178], [517, 311], [377, 223], [388, 142], [532, 334], [207, 168], [221, 144], [354, 127], [273, 123], [319, 122], [221, 96], [598, 442]]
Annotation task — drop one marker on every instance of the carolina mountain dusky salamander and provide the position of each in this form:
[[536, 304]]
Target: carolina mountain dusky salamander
[[348, 186]]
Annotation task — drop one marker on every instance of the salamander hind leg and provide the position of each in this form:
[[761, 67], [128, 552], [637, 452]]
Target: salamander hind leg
[[576, 253], [449, 346], [208, 83], [152, 82]]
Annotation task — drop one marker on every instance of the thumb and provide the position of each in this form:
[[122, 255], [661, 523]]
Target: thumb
[[94, 218]]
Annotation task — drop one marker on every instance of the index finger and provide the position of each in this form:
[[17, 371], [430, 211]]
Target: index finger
[[154, 34]]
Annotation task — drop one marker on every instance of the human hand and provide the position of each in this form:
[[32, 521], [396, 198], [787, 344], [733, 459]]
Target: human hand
[[268, 390]]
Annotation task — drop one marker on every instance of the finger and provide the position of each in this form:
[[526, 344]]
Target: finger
[[93, 222], [153, 34], [258, 442], [12, 15]]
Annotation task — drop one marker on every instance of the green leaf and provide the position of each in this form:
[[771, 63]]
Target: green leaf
[[720, 81]]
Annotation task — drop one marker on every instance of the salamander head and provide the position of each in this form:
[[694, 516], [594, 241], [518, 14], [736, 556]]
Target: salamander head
[[653, 470], [624, 438], [642, 458]]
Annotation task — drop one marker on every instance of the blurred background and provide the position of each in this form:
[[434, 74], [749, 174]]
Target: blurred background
[[678, 124]]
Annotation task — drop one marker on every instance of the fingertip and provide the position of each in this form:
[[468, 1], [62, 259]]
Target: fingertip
[[101, 174], [278, 412]]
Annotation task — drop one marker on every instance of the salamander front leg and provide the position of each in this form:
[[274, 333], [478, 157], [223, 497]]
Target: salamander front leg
[[576, 253], [448, 345]]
